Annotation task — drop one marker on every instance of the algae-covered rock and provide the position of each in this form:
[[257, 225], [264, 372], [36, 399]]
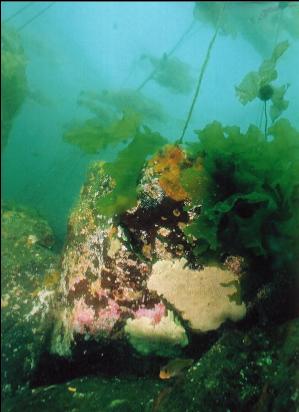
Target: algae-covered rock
[[28, 280], [114, 265], [243, 371], [108, 256], [95, 394], [103, 279]]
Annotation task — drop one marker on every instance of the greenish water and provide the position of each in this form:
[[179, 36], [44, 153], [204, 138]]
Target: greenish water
[[99, 46], [115, 82]]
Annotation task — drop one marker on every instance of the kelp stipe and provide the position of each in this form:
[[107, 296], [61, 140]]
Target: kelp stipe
[[201, 75]]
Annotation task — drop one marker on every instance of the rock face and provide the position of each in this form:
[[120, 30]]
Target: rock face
[[122, 277], [28, 280], [89, 394], [104, 278], [205, 298], [255, 370]]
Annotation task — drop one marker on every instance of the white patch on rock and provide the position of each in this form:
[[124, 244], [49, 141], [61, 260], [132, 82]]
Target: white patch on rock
[[203, 297], [162, 338]]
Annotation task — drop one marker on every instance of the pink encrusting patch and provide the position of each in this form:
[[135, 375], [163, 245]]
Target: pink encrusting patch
[[155, 314], [85, 319], [83, 316], [107, 317]]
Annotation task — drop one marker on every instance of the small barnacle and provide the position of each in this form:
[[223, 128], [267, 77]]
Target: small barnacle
[[176, 212], [180, 247], [147, 250]]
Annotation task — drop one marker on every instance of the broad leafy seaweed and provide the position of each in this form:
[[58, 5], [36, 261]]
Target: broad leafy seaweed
[[125, 172], [248, 190], [258, 84], [95, 135], [109, 102], [116, 117], [172, 73]]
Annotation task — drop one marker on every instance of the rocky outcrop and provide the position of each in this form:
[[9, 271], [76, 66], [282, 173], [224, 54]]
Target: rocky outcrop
[[89, 394], [28, 280], [133, 276], [105, 267], [255, 370]]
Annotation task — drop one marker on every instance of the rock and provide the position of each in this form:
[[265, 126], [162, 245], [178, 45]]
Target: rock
[[255, 370], [89, 394], [28, 280], [103, 277], [205, 298], [115, 268]]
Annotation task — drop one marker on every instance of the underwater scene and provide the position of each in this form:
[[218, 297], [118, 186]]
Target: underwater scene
[[150, 206]]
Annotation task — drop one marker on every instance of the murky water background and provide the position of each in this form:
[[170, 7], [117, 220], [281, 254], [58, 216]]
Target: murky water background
[[95, 46]]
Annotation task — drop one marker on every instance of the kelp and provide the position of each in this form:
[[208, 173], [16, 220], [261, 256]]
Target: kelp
[[125, 100], [171, 73], [13, 80], [125, 171], [256, 22], [247, 191], [94, 135], [202, 72], [117, 116], [258, 84], [208, 12]]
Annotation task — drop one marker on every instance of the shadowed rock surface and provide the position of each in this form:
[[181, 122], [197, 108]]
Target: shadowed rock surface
[[28, 279]]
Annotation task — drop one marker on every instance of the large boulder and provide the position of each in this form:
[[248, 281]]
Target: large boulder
[[28, 279], [121, 275], [104, 277]]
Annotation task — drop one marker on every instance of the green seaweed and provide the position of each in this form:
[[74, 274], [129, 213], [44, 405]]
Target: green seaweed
[[120, 101], [125, 171], [258, 84], [248, 192], [13, 80], [95, 135], [208, 12], [172, 73], [256, 22], [117, 116]]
